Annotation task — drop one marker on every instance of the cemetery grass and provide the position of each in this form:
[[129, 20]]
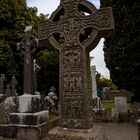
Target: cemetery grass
[[108, 105], [52, 117]]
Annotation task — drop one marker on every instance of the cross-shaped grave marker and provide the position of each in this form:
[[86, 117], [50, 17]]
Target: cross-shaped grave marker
[[74, 29], [2, 79], [28, 47]]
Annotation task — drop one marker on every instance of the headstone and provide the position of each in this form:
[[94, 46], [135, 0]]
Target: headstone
[[121, 104], [74, 29], [2, 79], [13, 86], [8, 90]]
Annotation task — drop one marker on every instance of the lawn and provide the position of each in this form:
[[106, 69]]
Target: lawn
[[108, 105]]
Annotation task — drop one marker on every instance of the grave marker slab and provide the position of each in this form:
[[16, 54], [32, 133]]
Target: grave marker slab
[[121, 104], [2, 79]]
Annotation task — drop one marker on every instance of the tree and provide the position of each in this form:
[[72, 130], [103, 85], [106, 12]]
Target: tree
[[122, 52], [48, 75], [14, 17], [105, 82]]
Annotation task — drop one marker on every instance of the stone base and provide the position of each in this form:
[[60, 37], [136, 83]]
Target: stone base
[[38, 132], [23, 132], [29, 126], [29, 103], [29, 118], [59, 133]]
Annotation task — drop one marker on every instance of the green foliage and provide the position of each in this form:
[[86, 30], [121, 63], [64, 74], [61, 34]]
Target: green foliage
[[108, 105], [14, 17], [105, 82], [122, 52], [49, 73]]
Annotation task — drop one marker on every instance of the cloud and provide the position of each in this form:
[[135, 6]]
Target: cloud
[[98, 60], [44, 6]]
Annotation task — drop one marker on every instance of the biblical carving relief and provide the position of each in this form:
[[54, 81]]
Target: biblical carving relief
[[73, 107], [72, 82], [72, 58]]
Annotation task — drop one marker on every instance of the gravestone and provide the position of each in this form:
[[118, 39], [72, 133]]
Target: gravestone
[[8, 90], [2, 79], [30, 118], [121, 104], [74, 29], [13, 86]]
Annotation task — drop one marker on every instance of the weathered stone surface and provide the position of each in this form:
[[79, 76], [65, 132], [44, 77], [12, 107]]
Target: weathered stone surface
[[59, 133], [30, 44], [79, 26], [7, 131], [6, 107], [29, 118], [29, 103], [38, 132], [23, 132]]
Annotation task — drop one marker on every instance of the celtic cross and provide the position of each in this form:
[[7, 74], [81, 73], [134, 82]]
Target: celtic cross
[[74, 29], [28, 48]]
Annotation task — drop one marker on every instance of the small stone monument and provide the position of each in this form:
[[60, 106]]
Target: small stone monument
[[121, 104], [13, 86], [74, 29], [2, 79], [30, 118], [8, 90]]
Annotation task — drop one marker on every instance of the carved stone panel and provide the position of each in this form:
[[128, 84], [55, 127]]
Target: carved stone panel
[[73, 107], [74, 29]]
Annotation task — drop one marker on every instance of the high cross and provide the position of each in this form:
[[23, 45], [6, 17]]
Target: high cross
[[28, 47], [74, 29]]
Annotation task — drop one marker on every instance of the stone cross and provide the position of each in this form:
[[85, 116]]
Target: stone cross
[[13, 85], [74, 29], [28, 47], [2, 79]]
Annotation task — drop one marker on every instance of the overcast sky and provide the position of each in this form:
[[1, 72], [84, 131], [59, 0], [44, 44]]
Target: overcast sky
[[48, 6]]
